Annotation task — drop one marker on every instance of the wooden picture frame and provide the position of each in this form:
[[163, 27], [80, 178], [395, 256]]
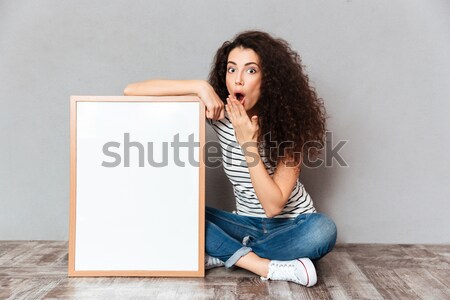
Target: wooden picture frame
[[132, 214]]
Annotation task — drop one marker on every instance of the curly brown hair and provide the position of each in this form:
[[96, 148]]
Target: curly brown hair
[[291, 116]]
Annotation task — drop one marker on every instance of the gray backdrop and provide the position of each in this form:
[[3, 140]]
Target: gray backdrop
[[382, 68]]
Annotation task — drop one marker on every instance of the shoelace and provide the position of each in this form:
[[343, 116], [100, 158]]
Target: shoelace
[[284, 265], [284, 271]]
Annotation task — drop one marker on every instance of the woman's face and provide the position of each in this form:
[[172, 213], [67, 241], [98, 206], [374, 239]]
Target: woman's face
[[244, 76]]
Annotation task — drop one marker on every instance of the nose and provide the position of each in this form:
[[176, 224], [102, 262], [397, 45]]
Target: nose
[[238, 80]]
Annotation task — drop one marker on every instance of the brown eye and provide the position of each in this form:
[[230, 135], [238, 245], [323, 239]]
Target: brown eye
[[230, 70], [251, 71]]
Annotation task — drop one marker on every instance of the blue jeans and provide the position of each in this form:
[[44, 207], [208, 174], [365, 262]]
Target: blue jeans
[[230, 236]]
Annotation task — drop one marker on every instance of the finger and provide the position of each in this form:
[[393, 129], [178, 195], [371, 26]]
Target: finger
[[219, 112], [216, 113], [226, 106], [230, 115], [222, 110], [218, 109], [208, 114], [230, 102], [230, 106], [241, 108], [255, 121], [212, 114], [232, 98], [236, 109], [236, 106]]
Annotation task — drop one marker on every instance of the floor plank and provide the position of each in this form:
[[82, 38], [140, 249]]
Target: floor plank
[[38, 270], [390, 285], [351, 279], [423, 284]]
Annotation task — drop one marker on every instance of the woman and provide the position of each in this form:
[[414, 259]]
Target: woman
[[266, 115]]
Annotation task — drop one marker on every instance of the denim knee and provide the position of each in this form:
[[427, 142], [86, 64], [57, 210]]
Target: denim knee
[[325, 234]]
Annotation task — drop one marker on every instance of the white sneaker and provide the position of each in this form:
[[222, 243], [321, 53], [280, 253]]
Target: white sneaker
[[212, 262], [301, 271]]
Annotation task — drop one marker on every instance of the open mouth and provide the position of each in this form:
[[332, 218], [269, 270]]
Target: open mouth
[[240, 97]]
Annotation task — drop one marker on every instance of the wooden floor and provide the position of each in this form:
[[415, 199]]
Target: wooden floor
[[38, 270]]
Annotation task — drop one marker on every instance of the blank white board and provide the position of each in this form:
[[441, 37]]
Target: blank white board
[[137, 186]]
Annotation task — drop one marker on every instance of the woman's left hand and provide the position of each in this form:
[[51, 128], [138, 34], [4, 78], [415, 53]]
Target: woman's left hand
[[246, 129]]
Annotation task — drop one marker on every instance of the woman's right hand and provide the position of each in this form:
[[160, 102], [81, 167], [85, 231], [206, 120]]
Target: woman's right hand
[[215, 108]]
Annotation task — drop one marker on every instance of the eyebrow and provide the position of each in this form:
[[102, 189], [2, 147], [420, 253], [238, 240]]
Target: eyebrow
[[249, 63]]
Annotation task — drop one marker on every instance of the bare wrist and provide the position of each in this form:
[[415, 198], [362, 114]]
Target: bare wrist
[[200, 87], [251, 146]]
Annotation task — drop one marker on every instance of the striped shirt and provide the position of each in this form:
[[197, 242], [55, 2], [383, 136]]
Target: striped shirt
[[235, 166]]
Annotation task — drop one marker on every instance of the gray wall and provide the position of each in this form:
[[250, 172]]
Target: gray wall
[[382, 68]]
